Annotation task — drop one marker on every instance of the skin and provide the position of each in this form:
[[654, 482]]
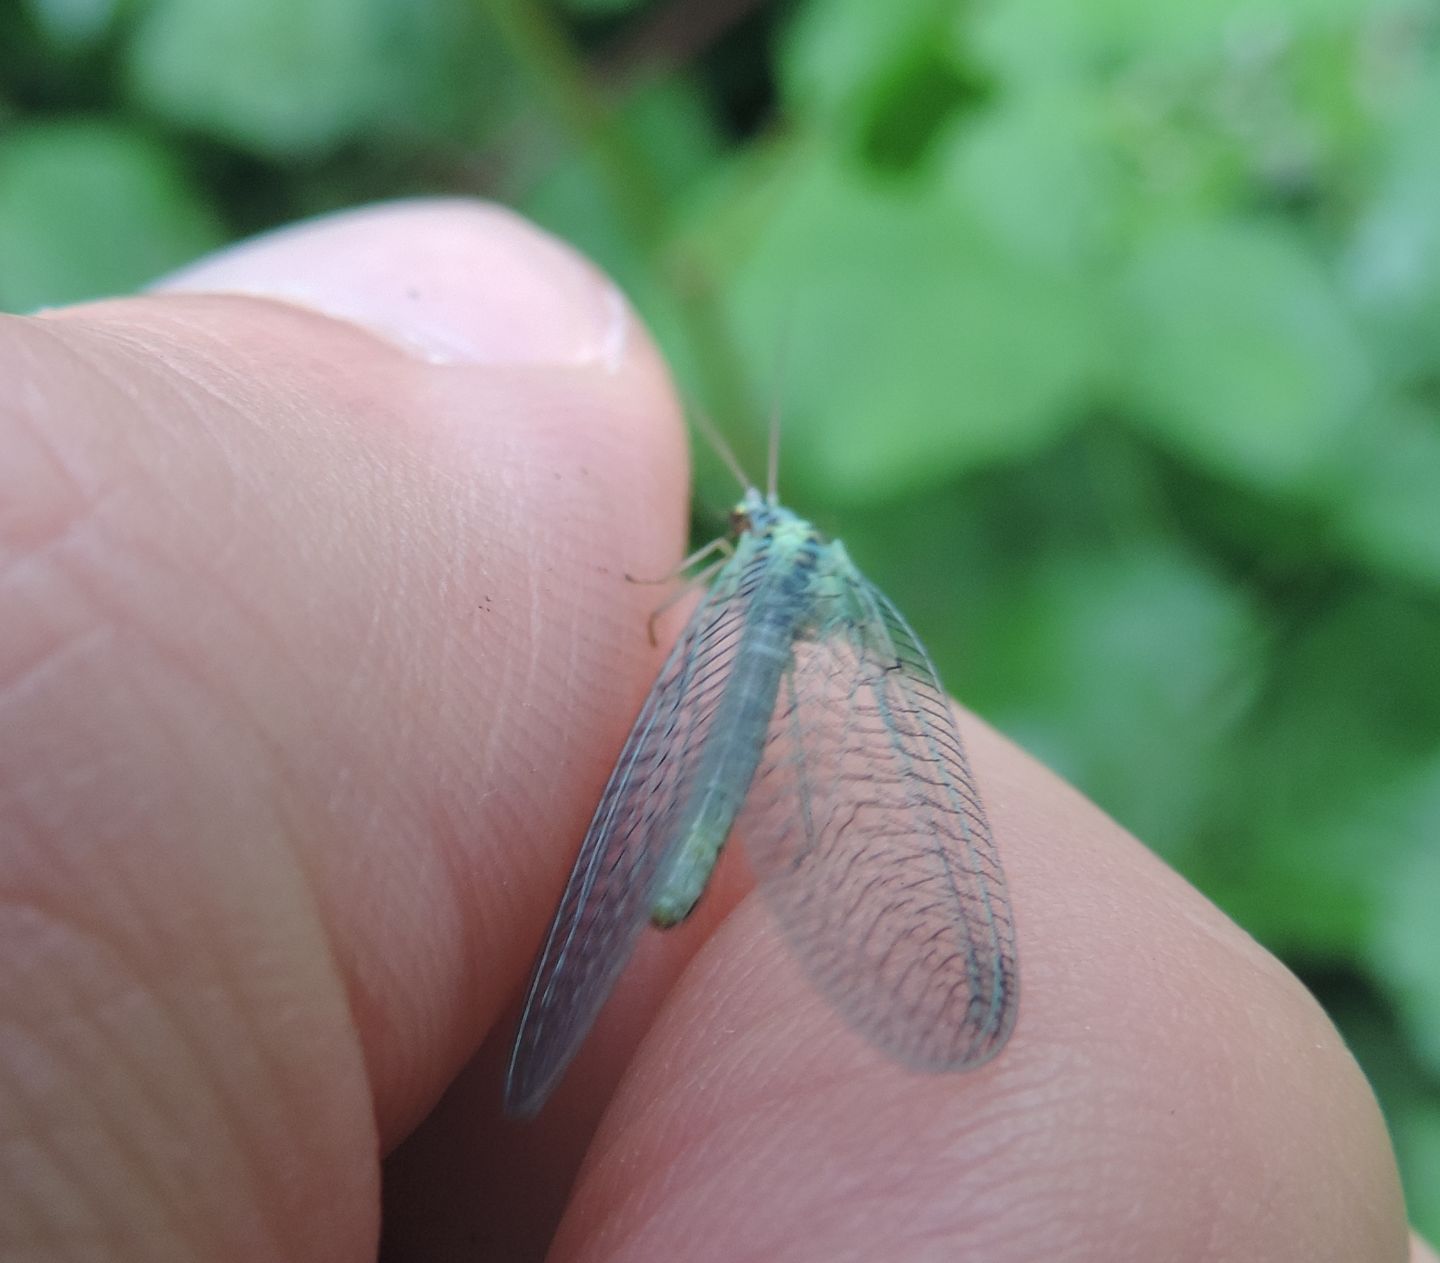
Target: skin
[[316, 654]]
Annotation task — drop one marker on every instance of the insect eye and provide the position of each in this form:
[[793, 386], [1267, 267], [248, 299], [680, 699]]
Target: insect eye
[[739, 520]]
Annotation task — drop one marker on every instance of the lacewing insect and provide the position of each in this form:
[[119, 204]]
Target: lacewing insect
[[798, 703]]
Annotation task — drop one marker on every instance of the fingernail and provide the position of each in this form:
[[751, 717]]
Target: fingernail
[[453, 282]]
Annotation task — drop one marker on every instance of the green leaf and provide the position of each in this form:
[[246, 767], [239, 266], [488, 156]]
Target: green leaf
[[88, 209], [275, 76], [1417, 1142], [73, 24], [1392, 267], [836, 56], [287, 77], [1046, 41], [669, 123], [1385, 493], [1039, 173], [916, 347], [1324, 773], [1238, 354], [1405, 943], [1128, 673]]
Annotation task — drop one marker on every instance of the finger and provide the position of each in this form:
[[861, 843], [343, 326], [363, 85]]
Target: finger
[[509, 296], [1170, 1091], [320, 650]]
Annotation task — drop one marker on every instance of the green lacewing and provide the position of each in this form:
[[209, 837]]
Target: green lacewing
[[799, 708]]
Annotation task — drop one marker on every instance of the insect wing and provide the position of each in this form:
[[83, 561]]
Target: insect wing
[[869, 838], [607, 898]]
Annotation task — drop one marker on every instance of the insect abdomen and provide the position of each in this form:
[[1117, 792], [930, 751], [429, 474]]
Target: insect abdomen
[[741, 722]]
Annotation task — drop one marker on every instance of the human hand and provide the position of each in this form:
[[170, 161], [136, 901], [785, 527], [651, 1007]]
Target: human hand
[[316, 652]]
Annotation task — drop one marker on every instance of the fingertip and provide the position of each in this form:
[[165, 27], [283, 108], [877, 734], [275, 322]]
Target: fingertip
[[452, 281]]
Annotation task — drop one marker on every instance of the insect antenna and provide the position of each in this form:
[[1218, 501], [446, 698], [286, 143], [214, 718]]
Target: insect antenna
[[722, 449], [782, 365], [772, 473]]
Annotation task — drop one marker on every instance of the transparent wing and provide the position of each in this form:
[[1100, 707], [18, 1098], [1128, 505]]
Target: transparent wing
[[607, 898], [868, 835]]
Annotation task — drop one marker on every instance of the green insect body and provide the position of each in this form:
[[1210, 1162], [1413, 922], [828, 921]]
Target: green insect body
[[798, 703], [760, 660]]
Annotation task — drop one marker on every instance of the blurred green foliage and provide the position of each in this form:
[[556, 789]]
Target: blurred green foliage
[[1109, 329]]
